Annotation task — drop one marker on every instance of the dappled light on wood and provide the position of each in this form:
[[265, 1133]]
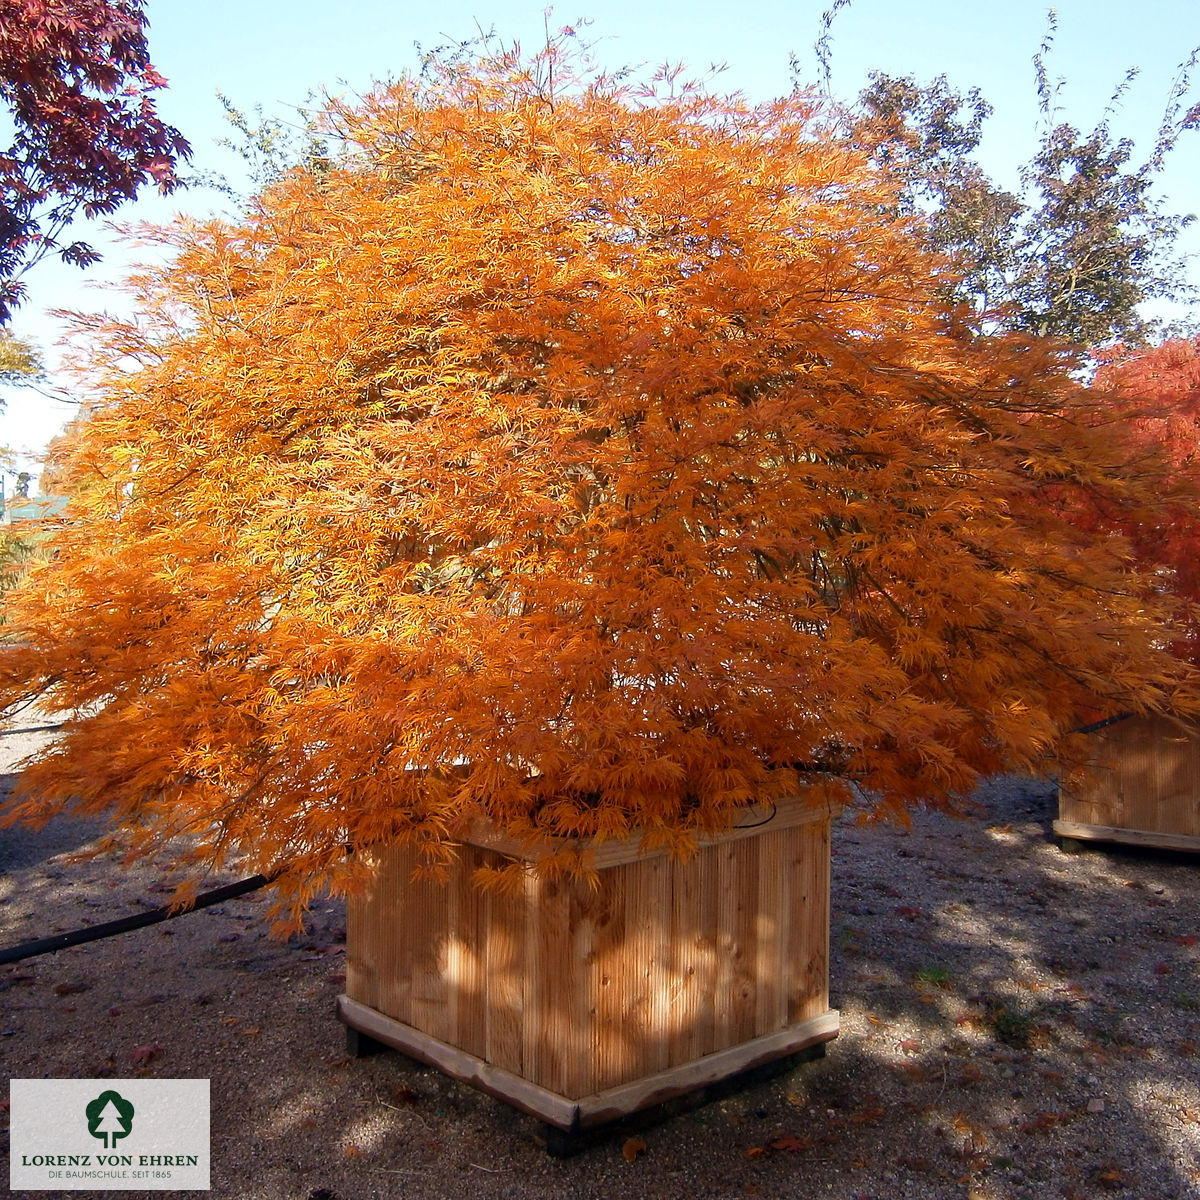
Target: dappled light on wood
[[585, 459]]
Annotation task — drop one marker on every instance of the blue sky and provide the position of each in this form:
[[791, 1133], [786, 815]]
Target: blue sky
[[273, 52]]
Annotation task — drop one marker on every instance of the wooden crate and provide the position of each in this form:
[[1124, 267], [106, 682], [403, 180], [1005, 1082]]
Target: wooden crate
[[581, 1005], [1141, 785]]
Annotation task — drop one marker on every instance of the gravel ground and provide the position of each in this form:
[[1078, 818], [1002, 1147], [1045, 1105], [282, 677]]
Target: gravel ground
[[1016, 1023]]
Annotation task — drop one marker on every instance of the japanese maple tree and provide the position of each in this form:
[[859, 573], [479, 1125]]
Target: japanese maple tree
[[586, 458], [1158, 388], [77, 85]]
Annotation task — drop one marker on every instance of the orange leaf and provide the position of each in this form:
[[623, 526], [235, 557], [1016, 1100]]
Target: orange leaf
[[790, 1142]]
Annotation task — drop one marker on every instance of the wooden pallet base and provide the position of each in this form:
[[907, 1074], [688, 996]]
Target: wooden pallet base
[[564, 1143], [1078, 831], [601, 1108]]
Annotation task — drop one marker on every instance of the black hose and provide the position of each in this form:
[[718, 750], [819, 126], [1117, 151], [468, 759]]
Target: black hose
[[94, 933]]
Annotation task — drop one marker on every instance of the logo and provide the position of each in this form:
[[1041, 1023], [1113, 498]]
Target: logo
[[109, 1117], [118, 1135]]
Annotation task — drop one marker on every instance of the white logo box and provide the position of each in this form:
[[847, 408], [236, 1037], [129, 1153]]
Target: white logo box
[[108, 1135]]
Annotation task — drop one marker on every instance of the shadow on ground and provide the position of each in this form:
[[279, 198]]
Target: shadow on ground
[[1016, 1023]]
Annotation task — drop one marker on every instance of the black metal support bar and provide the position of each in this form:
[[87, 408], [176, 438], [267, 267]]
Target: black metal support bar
[[94, 933]]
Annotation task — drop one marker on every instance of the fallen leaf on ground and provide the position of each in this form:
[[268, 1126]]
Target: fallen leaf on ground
[[790, 1142], [632, 1148], [70, 989], [868, 1115], [1045, 1120]]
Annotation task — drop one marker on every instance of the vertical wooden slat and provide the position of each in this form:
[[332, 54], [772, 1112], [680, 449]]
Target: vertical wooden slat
[[799, 952], [771, 921], [745, 997], [362, 965], [691, 967], [422, 934], [548, 1033], [1139, 778], [390, 929], [506, 974], [613, 1052], [1159, 766], [708, 951], [727, 882], [737, 891], [809, 951], [465, 950], [1177, 756], [533, 1016], [579, 991], [1187, 808], [653, 923]]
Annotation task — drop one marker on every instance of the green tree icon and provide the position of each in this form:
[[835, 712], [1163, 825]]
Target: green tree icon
[[109, 1116]]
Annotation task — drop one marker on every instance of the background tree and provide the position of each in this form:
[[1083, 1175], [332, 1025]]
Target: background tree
[[20, 363], [77, 83], [20, 360], [1082, 245], [586, 458]]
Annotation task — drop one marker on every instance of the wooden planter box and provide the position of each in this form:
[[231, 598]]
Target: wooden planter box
[[1141, 786], [581, 1005]]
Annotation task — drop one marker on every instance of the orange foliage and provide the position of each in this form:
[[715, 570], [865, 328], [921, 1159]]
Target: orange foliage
[[1158, 389], [587, 459]]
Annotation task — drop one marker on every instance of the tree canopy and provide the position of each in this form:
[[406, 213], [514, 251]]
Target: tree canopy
[[77, 84], [1077, 250], [583, 457], [20, 361]]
